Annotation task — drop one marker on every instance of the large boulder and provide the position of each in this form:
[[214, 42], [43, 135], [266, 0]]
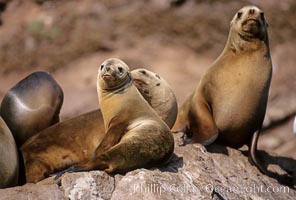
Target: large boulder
[[194, 172]]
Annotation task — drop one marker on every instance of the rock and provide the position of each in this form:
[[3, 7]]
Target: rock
[[146, 184], [194, 172], [88, 185], [32, 191]]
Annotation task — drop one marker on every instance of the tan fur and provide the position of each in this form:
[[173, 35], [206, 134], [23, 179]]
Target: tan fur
[[135, 135], [157, 93], [230, 100], [62, 145], [73, 141]]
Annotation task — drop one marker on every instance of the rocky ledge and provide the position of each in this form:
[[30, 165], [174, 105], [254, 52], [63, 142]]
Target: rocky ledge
[[194, 172]]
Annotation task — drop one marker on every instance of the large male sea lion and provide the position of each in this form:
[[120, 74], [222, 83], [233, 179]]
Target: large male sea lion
[[9, 163], [31, 105], [135, 135], [73, 141], [229, 103]]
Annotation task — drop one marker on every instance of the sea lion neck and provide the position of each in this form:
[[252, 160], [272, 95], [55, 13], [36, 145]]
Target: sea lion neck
[[119, 88], [237, 44]]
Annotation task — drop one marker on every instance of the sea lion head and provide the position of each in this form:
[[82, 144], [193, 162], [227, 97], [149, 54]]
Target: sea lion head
[[145, 80], [249, 22], [113, 74]]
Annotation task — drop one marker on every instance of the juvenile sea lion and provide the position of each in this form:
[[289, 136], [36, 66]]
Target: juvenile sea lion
[[32, 105], [157, 93], [135, 135], [72, 141], [9, 163], [229, 103]]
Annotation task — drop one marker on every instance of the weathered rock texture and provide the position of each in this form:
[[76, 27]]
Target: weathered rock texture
[[193, 173]]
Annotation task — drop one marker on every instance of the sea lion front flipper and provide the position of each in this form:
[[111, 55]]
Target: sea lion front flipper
[[203, 128], [111, 138], [59, 174], [182, 121], [84, 166]]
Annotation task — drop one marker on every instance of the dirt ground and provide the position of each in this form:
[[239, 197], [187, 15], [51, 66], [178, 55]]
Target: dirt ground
[[70, 39]]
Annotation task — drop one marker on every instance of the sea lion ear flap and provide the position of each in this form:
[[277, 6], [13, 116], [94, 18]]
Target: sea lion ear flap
[[266, 23], [264, 20], [231, 23]]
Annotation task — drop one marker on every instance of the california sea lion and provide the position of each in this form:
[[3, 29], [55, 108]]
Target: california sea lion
[[135, 135], [157, 93], [32, 105], [9, 163], [72, 141], [229, 103], [62, 145]]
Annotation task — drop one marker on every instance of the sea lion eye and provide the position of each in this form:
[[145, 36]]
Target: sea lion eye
[[143, 71], [239, 14], [120, 69], [157, 76], [262, 15], [102, 66]]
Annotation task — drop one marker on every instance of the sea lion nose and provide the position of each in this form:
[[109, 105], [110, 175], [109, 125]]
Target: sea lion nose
[[252, 11], [107, 68]]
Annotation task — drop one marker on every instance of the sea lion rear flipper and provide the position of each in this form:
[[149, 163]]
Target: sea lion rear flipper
[[59, 174], [283, 179]]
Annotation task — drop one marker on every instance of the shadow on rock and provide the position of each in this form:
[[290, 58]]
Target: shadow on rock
[[173, 165], [280, 168], [215, 148], [284, 167]]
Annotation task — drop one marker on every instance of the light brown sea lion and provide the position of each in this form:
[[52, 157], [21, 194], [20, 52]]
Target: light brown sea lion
[[157, 93], [135, 135], [62, 145], [72, 141], [9, 163], [229, 103], [31, 105]]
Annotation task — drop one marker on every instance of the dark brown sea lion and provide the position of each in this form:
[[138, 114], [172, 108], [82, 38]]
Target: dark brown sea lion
[[32, 105]]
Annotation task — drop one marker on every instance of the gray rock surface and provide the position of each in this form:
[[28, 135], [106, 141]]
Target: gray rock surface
[[194, 172], [33, 191]]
